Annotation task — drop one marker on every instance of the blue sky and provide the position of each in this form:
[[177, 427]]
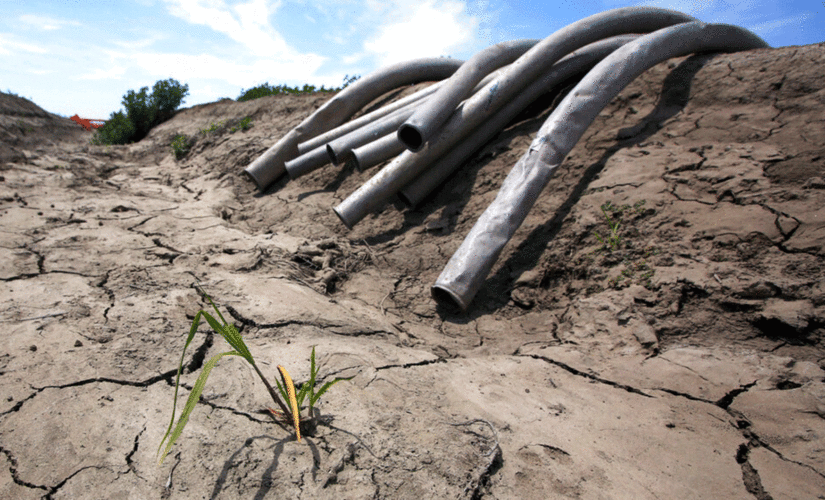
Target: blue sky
[[81, 56]]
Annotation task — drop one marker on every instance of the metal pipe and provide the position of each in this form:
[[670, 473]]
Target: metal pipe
[[571, 65], [370, 155], [373, 194], [431, 116], [349, 126], [469, 266], [339, 150], [270, 165], [307, 162]]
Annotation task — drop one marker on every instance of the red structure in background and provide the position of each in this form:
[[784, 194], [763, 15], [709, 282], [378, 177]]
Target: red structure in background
[[87, 123]]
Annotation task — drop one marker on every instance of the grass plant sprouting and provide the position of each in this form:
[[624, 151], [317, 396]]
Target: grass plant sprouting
[[613, 215], [307, 388], [234, 339], [613, 240]]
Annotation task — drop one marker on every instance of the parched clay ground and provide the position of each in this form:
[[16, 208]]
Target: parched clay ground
[[686, 363]]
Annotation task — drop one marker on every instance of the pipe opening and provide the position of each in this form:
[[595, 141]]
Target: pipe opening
[[410, 137], [446, 298], [405, 199], [343, 220], [332, 156], [353, 162]]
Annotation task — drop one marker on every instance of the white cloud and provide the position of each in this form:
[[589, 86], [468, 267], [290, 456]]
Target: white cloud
[[246, 23], [771, 26], [7, 43], [113, 72], [187, 67], [46, 23], [427, 29]]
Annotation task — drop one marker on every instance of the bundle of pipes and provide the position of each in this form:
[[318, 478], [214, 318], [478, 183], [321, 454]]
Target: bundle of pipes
[[442, 125]]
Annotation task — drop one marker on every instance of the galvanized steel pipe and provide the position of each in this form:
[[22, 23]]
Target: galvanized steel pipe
[[465, 272], [370, 155], [428, 118], [337, 150], [571, 65], [375, 192], [359, 122], [270, 165]]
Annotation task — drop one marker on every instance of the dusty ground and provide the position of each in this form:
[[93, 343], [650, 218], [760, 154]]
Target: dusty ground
[[685, 363]]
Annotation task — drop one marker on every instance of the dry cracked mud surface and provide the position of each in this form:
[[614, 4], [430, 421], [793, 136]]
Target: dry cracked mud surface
[[685, 363]]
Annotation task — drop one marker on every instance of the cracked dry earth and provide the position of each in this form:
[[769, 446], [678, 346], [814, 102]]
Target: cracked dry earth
[[685, 363]]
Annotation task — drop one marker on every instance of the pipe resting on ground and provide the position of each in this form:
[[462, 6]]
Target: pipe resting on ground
[[469, 266], [571, 65], [428, 118], [373, 194], [270, 165]]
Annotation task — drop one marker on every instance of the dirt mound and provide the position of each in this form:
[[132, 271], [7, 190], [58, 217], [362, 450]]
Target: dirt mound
[[679, 356], [23, 124]]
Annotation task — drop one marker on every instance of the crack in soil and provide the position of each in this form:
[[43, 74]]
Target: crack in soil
[[750, 476], [586, 375], [14, 476]]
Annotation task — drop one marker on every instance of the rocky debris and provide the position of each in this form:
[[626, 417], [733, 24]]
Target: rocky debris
[[683, 361]]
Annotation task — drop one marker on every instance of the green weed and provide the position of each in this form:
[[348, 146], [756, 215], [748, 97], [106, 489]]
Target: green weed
[[213, 127], [245, 124], [613, 215], [234, 339], [181, 146]]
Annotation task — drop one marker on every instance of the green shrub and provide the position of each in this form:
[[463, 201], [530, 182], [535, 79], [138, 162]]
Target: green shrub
[[117, 130], [143, 111], [181, 146]]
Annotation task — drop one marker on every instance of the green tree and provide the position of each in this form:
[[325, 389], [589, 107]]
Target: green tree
[[167, 96], [117, 130], [143, 112], [140, 112]]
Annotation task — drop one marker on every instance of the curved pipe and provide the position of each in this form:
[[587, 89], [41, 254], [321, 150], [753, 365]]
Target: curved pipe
[[270, 165], [373, 194], [469, 266], [339, 150], [428, 118], [359, 122], [571, 65]]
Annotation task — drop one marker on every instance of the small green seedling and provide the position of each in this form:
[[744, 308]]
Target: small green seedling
[[613, 239], [234, 339], [308, 388]]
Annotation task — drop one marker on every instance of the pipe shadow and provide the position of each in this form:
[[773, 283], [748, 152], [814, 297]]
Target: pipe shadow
[[672, 100]]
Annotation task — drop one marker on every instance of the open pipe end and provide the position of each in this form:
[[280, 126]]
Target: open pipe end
[[343, 218], [332, 156], [410, 137], [352, 162], [447, 298], [251, 176], [405, 199]]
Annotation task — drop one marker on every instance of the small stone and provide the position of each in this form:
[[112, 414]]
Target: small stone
[[78, 343], [33, 348]]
